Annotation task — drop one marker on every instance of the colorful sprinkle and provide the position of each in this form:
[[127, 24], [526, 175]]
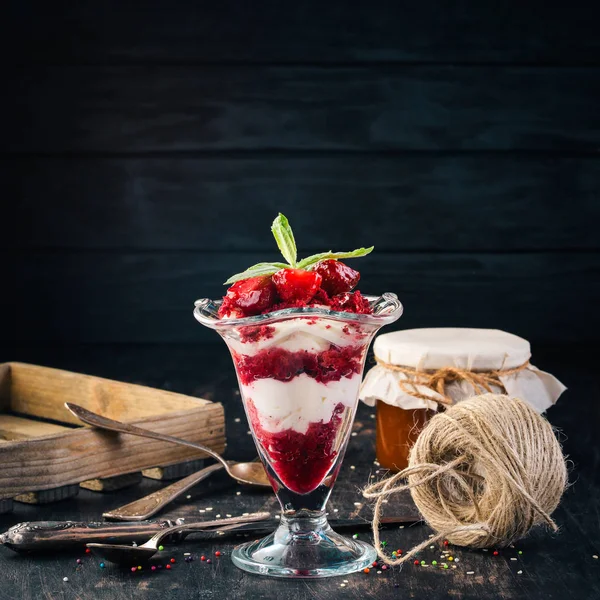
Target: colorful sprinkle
[[521, 552], [203, 557], [208, 561], [172, 560], [470, 572], [446, 542], [384, 544], [374, 564], [366, 570], [445, 566], [139, 567], [416, 562], [153, 568], [399, 551], [168, 567], [87, 550], [217, 553], [65, 579], [495, 553], [519, 572], [102, 565], [451, 558], [78, 561], [161, 548], [423, 563], [133, 569], [512, 558], [594, 556], [434, 562], [355, 536], [384, 567]]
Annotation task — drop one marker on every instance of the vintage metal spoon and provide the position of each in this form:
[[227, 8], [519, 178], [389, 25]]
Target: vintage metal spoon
[[121, 554], [251, 473]]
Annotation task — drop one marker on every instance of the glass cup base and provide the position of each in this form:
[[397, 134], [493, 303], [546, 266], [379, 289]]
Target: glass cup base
[[304, 554]]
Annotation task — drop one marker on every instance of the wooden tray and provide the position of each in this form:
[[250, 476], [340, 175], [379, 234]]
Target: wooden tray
[[44, 447]]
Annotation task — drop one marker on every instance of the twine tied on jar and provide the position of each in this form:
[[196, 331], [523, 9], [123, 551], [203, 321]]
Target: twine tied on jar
[[436, 380]]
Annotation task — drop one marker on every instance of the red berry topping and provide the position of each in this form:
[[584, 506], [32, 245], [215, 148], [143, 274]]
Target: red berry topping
[[337, 277], [296, 284], [248, 297]]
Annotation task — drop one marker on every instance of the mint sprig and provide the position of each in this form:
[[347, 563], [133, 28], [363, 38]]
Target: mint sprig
[[285, 239], [286, 243]]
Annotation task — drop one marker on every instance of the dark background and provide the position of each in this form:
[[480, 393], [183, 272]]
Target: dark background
[[146, 148]]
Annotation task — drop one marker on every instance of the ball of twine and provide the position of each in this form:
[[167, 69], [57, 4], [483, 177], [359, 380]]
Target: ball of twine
[[482, 474]]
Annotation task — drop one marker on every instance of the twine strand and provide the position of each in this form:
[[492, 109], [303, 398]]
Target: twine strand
[[437, 380], [507, 475]]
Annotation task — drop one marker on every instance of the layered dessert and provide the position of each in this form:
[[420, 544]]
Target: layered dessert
[[300, 374]]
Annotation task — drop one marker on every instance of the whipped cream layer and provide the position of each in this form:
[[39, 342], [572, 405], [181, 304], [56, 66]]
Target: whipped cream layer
[[309, 334], [295, 404]]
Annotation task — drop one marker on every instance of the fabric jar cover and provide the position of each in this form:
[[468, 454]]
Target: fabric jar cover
[[477, 350]]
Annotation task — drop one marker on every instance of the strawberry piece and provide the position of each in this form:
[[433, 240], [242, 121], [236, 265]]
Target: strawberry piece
[[337, 277], [248, 297], [296, 285]]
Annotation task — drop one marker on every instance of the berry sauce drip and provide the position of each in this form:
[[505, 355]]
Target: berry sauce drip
[[301, 460], [283, 365]]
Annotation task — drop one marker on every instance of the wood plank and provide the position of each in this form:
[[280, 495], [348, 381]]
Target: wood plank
[[321, 32], [407, 202], [18, 428], [105, 297], [190, 108], [42, 392], [85, 453]]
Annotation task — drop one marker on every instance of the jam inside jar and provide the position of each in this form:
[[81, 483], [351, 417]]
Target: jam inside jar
[[397, 431]]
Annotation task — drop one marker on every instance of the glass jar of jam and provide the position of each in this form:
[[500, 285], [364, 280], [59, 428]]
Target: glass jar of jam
[[397, 431], [419, 371]]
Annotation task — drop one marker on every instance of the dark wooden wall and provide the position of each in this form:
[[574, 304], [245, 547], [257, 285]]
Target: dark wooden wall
[[146, 147]]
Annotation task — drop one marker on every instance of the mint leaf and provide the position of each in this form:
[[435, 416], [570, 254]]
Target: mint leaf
[[309, 261], [256, 271], [285, 239]]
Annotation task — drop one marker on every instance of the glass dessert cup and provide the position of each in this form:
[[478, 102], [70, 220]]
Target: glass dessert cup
[[299, 372]]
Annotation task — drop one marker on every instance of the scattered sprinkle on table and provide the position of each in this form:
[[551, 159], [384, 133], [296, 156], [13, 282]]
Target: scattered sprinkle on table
[[342, 585], [521, 552], [416, 562], [358, 504], [470, 572], [102, 565], [366, 570], [434, 562], [237, 420], [187, 553], [519, 572], [167, 566], [208, 561], [431, 547], [353, 434], [335, 510], [352, 467], [219, 516], [495, 552], [188, 497], [512, 558], [209, 508], [355, 536], [423, 563], [202, 510], [153, 568], [238, 493], [217, 553], [594, 556], [65, 579], [243, 515], [133, 569], [228, 515], [451, 558], [78, 561], [345, 581]]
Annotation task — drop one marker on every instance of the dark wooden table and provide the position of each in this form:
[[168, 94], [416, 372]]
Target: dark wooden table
[[550, 566]]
